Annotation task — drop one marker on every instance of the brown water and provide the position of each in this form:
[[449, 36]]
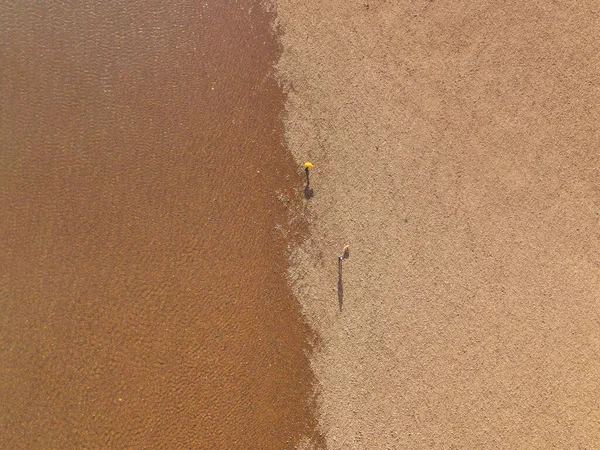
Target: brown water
[[143, 298]]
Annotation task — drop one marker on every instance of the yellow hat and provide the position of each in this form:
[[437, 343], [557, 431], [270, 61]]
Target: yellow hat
[[308, 165]]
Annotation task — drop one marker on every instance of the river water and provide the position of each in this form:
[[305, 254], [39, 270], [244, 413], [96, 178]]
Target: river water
[[143, 300]]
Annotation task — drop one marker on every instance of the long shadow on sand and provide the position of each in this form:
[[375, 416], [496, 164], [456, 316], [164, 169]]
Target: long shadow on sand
[[308, 191], [340, 284]]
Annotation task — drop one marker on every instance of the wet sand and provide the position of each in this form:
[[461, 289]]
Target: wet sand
[[144, 220], [456, 151]]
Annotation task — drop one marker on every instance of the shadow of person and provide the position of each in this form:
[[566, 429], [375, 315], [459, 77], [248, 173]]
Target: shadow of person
[[340, 284], [308, 191], [341, 258]]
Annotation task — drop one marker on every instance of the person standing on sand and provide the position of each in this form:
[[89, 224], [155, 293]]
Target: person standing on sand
[[308, 192]]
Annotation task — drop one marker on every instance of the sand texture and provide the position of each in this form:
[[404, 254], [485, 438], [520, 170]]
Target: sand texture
[[456, 151]]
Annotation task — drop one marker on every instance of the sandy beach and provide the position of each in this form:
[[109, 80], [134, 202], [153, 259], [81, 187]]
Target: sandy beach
[[164, 284], [456, 151]]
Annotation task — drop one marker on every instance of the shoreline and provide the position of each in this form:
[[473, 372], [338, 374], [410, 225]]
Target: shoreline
[[145, 212]]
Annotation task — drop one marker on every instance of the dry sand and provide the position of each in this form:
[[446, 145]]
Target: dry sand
[[456, 151]]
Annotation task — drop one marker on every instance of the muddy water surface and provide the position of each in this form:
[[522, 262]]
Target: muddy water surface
[[143, 300]]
